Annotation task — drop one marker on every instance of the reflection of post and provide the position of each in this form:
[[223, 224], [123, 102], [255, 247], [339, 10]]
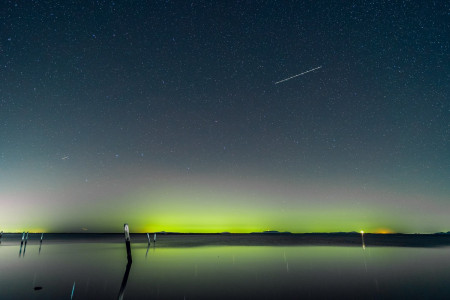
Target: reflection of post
[[146, 253], [73, 290], [125, 279], [127, 241]]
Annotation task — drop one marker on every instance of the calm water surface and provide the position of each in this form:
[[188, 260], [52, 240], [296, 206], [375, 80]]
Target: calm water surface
[[100, 271]]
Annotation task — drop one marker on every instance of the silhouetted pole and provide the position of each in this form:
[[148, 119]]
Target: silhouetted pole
[[40, 244], [21, 243], [1, 235], [25, 247], [127, 241], [130, 260]]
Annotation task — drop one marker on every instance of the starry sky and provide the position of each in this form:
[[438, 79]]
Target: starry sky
[[166, 115]]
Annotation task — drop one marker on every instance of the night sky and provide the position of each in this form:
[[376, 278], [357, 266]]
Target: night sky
[[166, 115]]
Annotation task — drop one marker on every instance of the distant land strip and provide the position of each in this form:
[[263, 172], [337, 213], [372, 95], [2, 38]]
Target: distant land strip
[[175, 240]]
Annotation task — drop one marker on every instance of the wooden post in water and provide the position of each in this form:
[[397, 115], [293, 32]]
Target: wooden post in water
[[21, 243], [127, 241], [154, 239], [40, 244], [127, 270], [148, 237], [1, 235], [25, 246]]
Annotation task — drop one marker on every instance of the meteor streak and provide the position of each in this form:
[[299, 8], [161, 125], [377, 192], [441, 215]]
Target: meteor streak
[[297, 75]]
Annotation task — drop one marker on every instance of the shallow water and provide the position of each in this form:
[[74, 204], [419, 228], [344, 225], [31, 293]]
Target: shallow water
[[98, 270]]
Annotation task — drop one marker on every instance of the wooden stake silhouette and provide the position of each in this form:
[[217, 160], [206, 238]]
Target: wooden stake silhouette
[[25, 247], [21, 243], [127, 241], [40, 244]]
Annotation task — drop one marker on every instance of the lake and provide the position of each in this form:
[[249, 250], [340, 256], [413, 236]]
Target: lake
[[225, 267]]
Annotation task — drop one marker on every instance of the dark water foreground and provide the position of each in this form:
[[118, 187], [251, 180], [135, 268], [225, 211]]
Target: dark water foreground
[[308, 266]]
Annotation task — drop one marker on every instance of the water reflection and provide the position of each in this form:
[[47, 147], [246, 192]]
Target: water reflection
[[146, 252], [124, 280], [222, 272], [362, 240]]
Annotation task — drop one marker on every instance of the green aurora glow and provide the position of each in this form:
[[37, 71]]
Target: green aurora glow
[[206, 204]]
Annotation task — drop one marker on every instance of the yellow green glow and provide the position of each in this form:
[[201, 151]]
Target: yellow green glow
[[192, 209], [205, 205]]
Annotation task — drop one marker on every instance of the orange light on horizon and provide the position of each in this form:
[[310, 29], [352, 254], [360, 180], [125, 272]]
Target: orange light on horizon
[[383, 231]]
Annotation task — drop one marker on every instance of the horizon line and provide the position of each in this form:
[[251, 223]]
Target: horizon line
[[226, 232]]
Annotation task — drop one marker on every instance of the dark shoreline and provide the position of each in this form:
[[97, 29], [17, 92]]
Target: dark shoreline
[[169, 240]]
